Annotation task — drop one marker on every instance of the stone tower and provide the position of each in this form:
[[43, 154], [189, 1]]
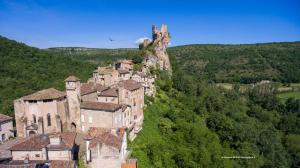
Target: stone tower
[[161, 39], [73, 99]]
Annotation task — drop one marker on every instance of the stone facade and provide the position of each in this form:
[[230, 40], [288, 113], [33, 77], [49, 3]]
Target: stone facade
[[106, 148], [93, 116], [6, 128], [38, 115]]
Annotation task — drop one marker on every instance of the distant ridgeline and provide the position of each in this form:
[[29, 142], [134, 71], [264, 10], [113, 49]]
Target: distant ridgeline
[[248, 63]]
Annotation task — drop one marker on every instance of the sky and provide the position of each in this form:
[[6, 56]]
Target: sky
[[91, 23]]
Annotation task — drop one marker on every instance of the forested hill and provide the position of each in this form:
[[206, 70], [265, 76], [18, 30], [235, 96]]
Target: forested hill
[[247, 63], [24, 70]]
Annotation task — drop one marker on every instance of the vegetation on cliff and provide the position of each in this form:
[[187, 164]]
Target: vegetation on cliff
[[191, 122]]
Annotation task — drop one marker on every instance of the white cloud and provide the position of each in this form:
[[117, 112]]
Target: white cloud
[[141, 40]]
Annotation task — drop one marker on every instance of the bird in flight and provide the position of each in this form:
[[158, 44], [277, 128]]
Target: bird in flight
[[110, 39]]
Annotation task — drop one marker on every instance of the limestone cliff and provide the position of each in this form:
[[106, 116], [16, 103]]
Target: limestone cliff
[[156, 51]]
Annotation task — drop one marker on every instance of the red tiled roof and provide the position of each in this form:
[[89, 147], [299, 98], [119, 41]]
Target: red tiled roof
[[38, 142], [68, 140], [72, 78], [130, 84], [4, 118], [103, 135], [62, 164], [100, 106], [87, 88], [45, 94], [111, 92]]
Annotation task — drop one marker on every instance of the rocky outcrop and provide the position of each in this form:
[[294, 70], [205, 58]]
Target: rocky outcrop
[[156, 51]]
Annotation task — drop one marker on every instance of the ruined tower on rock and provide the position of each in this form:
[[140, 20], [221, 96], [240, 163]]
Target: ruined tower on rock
[[161, 39], [157, 49]]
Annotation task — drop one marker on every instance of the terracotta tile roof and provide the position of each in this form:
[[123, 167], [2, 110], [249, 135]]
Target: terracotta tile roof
[[100, 106], [62, 164], [111, 92], [87, 88], [45, 94], [72, 78], [38, 163], [38, 142], [102, 135], [4, 118], [130, 84], [123, 71], [105, 70], [68, 140], [128, 165]]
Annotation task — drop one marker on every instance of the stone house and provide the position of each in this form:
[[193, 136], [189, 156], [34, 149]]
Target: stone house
[[124, 74], [106, 148], [106, 76], [109, 95], [147, 82], [104, 115], [41, 112], [44, 147], [124, 65], [6, 127]]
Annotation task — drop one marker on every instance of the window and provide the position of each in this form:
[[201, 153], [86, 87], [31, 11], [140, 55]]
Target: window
[[90, 119], [3, 137], [126, 95], [34, 118], [82, 128], [134, 103], [82, 117], [49, 119]]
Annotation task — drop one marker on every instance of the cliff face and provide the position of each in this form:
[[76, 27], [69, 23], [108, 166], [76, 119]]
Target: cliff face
[[159, 44]]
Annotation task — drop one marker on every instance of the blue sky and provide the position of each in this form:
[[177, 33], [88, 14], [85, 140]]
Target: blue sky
[[90, 23]]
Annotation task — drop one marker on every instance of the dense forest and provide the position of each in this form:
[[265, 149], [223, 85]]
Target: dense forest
[[24, 70], [279, 62], [191, 122]]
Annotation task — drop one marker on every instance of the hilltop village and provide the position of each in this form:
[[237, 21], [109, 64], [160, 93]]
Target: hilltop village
[[94, 118]]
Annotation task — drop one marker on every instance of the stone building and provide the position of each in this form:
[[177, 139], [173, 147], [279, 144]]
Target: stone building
[[106, 148], [6, 127], [106, 76], [104, 115], [147, 82], [41, 112], [44, 147], [124, 65]]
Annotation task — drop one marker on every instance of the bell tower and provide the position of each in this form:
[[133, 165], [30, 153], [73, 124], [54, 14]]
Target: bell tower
[[74, 98]]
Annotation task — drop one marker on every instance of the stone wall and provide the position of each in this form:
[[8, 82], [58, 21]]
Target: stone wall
[[6, 130]]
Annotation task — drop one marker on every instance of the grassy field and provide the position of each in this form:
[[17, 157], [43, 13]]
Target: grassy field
[[286, 95]]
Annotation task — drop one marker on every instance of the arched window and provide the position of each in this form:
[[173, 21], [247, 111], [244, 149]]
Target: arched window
[[34, 118], [49, 119]]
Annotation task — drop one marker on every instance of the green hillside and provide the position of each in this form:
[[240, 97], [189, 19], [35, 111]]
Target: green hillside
[[240, 63], [24, 70], [191, 122]]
